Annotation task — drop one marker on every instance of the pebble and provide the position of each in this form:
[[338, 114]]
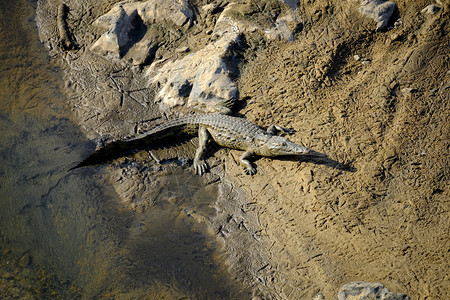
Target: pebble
[[25, 260], [408, 91], [398, 23], [366, 62], [319, 296], [395, 37], [430, 9], [182, 49], [356, 57]]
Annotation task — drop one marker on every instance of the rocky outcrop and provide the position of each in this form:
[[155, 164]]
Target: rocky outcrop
[[206, 76]]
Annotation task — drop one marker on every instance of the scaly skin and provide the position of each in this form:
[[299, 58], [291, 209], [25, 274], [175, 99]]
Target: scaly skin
[[226, 131]]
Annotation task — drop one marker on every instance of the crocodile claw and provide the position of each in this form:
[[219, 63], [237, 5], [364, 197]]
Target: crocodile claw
[[200, 167], [250, 171]]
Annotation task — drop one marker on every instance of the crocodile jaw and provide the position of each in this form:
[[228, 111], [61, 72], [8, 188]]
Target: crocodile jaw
[[294, 149], [281, 146]]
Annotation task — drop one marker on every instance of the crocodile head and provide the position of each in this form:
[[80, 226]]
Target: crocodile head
[[278, 146]]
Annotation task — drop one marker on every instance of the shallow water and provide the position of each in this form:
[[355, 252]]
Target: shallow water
[[72, 225]]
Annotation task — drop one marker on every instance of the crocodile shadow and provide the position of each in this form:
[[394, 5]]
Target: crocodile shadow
[[313, 157], [318, 158]]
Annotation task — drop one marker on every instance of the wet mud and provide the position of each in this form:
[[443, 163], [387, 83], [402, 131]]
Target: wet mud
[[69, 234]]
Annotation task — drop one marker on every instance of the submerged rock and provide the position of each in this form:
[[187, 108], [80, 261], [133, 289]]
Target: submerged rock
[[368, 291], [379, 10]]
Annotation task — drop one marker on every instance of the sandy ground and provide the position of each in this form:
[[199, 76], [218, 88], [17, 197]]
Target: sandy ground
[[375, 101], [389, 119]]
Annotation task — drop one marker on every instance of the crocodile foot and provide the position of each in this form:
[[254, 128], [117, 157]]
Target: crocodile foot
[[200, 167], [250, 170], [275, 129]]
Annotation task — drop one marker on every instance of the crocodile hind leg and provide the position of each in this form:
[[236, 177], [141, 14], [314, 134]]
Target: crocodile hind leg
[[200, 165], [275, 129]]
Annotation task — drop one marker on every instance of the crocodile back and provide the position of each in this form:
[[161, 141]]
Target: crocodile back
[[232, 132], [217, 123]]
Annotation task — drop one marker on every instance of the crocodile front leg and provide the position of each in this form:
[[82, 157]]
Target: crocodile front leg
[[200, 165], [250, 169], [274, 129]]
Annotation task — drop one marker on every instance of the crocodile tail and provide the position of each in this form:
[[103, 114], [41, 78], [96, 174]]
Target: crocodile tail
[[107, 153], [159, 137]]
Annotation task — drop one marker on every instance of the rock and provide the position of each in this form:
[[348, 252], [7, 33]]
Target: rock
[[293, 4], [356, 57], [430, 10], [379, 10], [177, 12], [25, 260], [202, 77], [143, 52], [319, 296], [182, 49], [281, 30], [408, 91], [285, 26], [226, 24], [119, 25], [368, 291], [123, 20], [209, 8], [366, 62]]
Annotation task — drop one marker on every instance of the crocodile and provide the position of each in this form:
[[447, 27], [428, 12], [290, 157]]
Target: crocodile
[[225, 130]]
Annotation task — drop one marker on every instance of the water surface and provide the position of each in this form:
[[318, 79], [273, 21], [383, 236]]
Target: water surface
[[67, 234]]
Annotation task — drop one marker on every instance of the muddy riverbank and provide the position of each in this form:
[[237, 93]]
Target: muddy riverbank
[[372, 95]]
